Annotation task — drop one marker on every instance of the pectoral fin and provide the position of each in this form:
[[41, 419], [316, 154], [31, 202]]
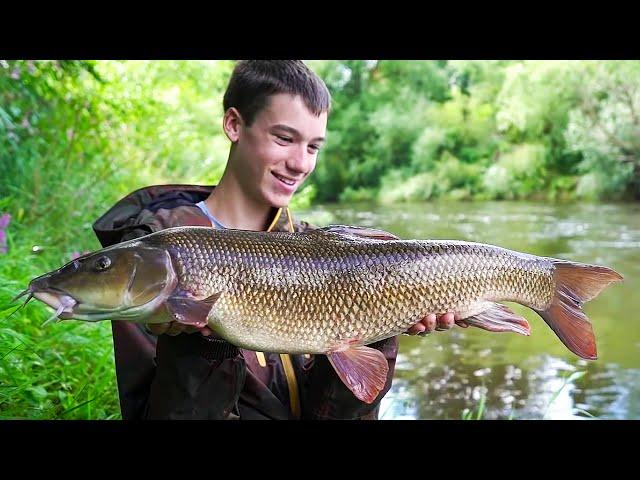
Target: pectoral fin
[[363, 369], [190, 311]]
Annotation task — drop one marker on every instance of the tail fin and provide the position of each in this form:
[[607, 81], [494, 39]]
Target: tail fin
[[576, 283]]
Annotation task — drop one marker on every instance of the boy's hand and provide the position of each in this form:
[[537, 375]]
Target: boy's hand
[[430, 323], [425, 326]]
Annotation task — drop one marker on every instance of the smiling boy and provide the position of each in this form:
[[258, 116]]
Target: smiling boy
[[275, 118]]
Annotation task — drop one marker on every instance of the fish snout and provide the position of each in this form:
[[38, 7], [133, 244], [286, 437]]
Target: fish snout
[[39, 284], [41, 289]]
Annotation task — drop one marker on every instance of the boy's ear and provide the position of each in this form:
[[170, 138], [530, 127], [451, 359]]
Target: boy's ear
[[231, 123]]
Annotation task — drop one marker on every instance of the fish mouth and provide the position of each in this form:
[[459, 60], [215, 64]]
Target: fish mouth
[[67, 307], [60, 301]]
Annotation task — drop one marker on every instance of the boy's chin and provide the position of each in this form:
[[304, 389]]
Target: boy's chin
[[279, 201], [280, 204]]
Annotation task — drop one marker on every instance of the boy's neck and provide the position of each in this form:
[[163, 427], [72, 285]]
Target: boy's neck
[[234, 209]]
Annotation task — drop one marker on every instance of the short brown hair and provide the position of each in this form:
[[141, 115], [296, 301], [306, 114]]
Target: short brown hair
[[254, 81]]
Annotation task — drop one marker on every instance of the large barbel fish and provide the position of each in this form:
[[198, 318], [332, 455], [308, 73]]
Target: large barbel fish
[[328, 291]]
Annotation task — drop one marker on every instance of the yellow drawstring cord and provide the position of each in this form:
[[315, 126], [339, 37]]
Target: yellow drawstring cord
[[287, 364]]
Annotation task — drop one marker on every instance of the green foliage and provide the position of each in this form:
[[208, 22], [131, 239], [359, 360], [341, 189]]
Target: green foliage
[[605, 129], [303, 198], [103, 129], [518, 173], [64, 371], [125, 124], [358, 195], [428, 147], [75, 136], [395, 188], [375, 120], [530, 129]]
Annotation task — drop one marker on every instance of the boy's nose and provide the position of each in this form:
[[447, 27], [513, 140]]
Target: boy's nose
[[300, 161]]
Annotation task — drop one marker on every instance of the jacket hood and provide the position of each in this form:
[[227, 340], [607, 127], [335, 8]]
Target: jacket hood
[[125, 214], [139, 211]]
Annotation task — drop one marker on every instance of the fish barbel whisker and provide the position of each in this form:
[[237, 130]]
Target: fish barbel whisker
[[62, 303], [21, 294], [55, 315]]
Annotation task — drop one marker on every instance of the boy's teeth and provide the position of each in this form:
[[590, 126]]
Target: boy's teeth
[[288, 182]]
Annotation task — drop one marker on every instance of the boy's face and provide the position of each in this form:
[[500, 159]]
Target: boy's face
[[274, 156]]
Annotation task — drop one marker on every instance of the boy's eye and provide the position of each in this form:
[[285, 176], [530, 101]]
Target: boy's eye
[[315, 148], [284, 139]]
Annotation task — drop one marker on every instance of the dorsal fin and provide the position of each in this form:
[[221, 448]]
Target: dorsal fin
[[360, 232]]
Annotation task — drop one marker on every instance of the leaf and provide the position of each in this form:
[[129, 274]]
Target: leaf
[[567, 380], [39, 393], [579, 410], [78, 406], [7, 312]]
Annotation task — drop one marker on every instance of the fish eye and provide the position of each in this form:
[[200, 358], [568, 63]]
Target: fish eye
[[102, 263]]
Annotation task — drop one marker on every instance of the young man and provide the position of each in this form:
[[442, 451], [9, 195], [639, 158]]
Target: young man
[[275, 117]]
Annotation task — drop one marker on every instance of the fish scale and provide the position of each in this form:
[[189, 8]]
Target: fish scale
[[307, 292]]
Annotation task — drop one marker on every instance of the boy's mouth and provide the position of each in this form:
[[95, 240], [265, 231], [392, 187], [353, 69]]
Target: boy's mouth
[[287, 181]]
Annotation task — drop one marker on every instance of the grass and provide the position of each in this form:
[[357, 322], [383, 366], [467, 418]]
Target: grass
[[478, 412], [61, 371], [566, 381]]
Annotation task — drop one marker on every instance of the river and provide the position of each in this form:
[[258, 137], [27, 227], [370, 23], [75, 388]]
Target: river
[[479, 374]]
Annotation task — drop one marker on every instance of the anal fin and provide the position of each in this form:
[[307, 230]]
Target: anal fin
[[499, 318]]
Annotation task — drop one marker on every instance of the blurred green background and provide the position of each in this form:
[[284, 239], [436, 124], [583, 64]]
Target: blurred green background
[[75, 136]]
